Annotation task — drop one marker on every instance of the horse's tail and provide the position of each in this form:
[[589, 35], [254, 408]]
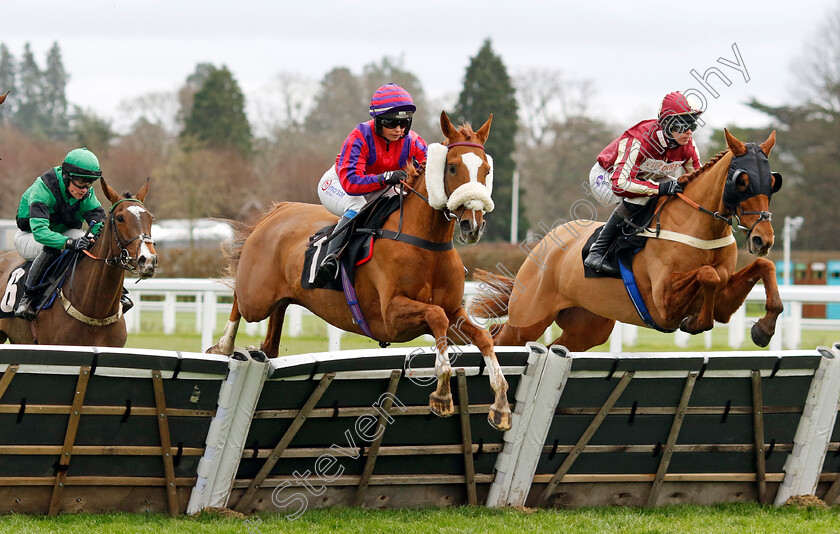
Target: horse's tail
[[232, 248], [494, 298]]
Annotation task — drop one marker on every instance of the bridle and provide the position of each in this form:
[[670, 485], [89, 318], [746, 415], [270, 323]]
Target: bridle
[[123, 259], [447, 213], [733, 219]]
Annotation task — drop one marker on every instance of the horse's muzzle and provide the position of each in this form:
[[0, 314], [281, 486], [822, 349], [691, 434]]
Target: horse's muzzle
[[146, 264], [470, 231], [758, 246]]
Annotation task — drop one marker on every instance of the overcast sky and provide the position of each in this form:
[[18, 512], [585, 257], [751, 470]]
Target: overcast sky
[[632, 51]]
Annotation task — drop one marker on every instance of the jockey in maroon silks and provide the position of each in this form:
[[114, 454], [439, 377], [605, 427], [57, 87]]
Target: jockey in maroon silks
[[640, 165], [372, 158]]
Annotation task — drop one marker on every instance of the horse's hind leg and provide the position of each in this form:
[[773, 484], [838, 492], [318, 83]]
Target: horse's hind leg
[[517, 336], [270, 346], [582, 329], [225, 344]]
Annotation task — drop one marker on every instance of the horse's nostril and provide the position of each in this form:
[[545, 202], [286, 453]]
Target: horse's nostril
[[466, 226], [757, 242]]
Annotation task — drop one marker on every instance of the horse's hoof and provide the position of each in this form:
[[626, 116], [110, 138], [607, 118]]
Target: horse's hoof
[[685, 326], [500, 420], [759, 336], [441, 406], [216, 350]]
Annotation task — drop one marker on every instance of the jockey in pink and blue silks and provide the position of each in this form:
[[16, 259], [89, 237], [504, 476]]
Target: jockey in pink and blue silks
[[372, 158]]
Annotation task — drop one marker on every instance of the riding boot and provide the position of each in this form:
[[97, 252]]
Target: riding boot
[[598, 251], [27, 307], [126, 302], [329, 267]]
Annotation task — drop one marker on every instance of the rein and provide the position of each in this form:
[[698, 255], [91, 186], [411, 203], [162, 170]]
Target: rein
[[123, 260], [732, 220]]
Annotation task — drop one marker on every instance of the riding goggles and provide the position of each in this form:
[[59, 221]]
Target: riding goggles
[[81, 184], [394, 123], [681, 125]]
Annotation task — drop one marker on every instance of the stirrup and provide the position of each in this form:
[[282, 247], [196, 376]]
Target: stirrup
[[327, 271], [126, 303], [27, 309]]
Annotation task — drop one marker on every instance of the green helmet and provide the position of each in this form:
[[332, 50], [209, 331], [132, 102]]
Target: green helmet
[[82, 164]]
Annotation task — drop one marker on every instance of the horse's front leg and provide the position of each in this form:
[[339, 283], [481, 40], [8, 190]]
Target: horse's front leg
[[732, 296], [225, 345], [499, 416], [681, 289], [403, 313]]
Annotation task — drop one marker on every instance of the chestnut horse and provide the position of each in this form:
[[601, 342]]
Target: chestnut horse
[[683, 285], [404, 291], [87, 310]]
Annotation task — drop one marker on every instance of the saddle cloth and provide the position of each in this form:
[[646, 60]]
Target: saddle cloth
[[47, 287], [359, 248], [625, 246]]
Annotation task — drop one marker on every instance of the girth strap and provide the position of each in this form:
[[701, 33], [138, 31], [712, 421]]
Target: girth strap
[[696, 242], [434, 246]]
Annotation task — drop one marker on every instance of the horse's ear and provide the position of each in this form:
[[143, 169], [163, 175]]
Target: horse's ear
[[737, 147], [109, 192], [141, 195], [446, 126], [484, 131], [777, 181], [3, 97], [768, 145]]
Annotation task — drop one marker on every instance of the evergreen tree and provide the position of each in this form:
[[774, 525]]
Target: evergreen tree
[[8, 82], [54, 96], [194, 82], [488, 89], [28, 116], [217, 118]]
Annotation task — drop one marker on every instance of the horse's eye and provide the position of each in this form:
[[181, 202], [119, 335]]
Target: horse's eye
[[451, 169], [120, 218]]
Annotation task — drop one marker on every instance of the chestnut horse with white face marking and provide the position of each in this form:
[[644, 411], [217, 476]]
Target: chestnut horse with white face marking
[[87, 310], [404, 291], [686, 286]]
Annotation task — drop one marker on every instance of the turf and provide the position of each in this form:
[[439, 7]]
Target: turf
[[677, 519]]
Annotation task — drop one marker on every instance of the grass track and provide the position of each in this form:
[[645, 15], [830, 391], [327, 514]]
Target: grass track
[[677, 519]]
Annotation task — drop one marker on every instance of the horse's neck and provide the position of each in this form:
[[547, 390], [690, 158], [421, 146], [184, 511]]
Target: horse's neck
[[421, 220], [95, 284], [707, 191]]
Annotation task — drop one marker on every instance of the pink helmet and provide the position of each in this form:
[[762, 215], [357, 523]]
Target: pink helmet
[[675, 103], [392, 100]]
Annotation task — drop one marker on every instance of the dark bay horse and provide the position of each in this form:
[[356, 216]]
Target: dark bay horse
[[686, 286], [87, 310], [405, 291]]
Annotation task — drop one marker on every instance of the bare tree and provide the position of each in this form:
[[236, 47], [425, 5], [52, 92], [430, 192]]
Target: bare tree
[[159, 108], [283, 105]]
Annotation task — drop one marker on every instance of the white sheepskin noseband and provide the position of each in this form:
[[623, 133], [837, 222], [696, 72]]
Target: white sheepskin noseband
[[473, 195]]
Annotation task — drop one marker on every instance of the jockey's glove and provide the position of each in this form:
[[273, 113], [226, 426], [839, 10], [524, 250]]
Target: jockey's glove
[[670, 187], [79, 243], [391, 177]]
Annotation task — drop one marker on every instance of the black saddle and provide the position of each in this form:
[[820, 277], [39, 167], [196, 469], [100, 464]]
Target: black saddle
[[626, 245], [358, 248]]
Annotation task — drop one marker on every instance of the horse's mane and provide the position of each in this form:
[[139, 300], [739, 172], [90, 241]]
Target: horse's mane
[[686, 179]]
